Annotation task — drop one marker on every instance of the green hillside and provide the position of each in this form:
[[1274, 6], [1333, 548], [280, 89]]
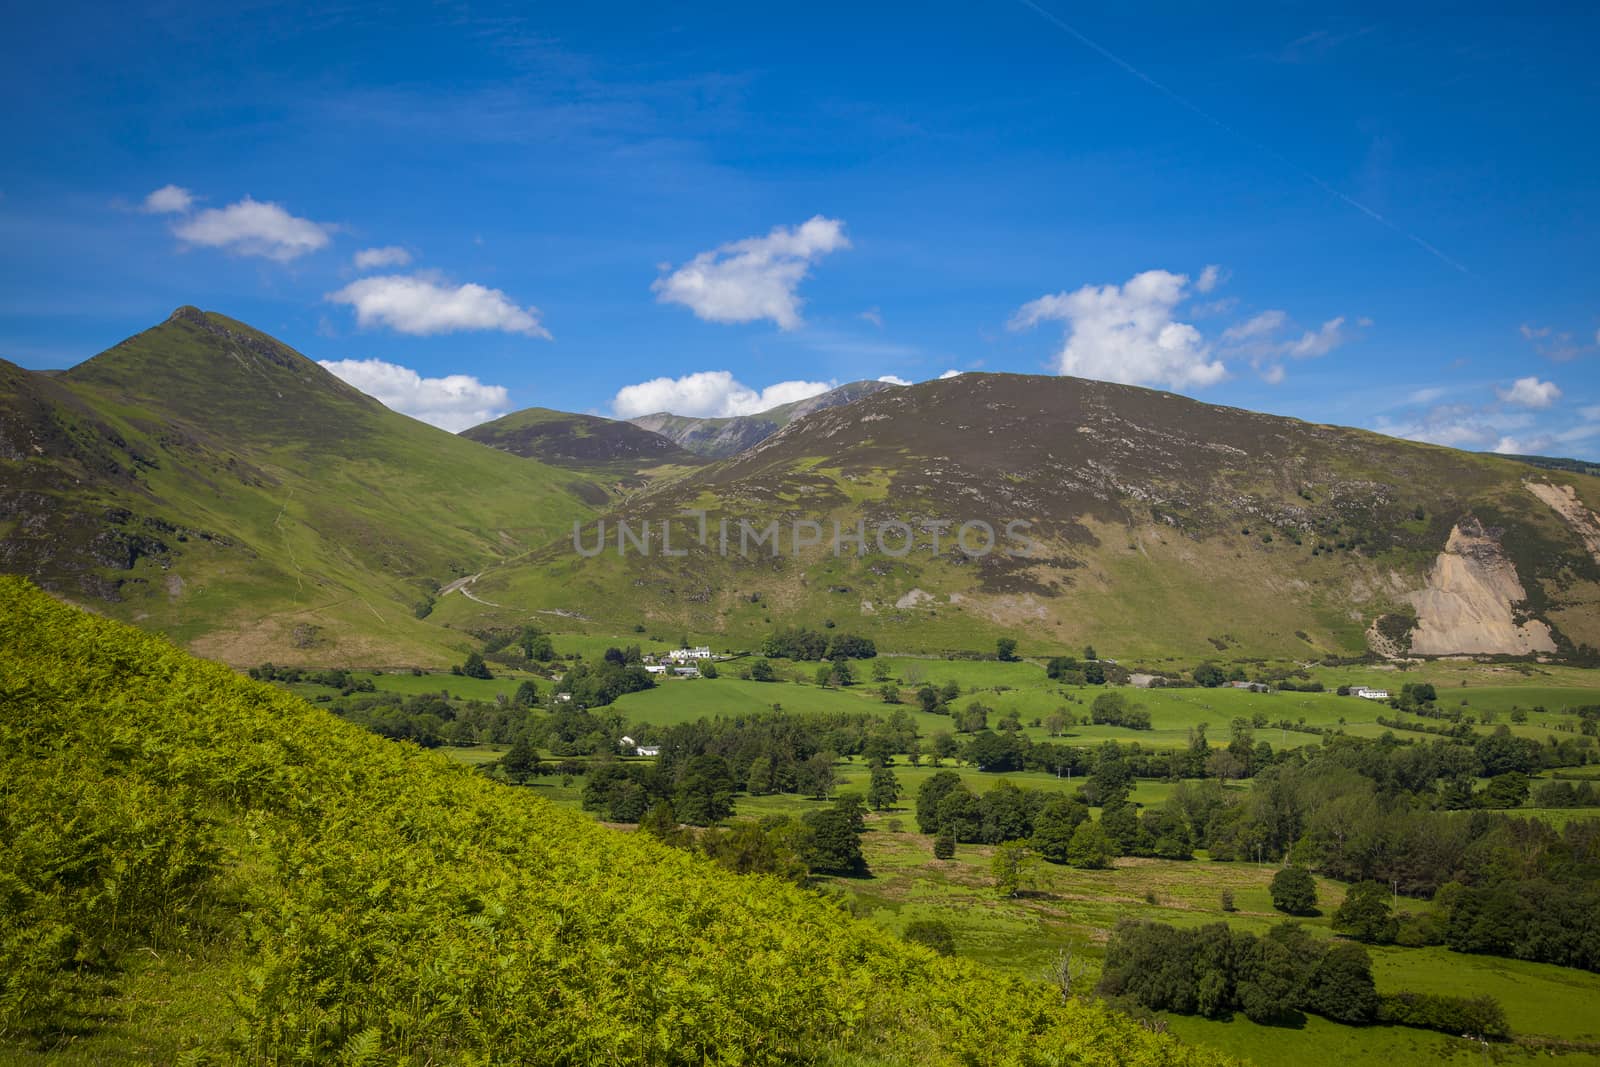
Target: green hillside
[[196, 866], [202, 479], [1161, 526]]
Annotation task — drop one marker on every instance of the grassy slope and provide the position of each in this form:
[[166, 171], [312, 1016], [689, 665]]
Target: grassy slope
[[301, 502], [354, 892]]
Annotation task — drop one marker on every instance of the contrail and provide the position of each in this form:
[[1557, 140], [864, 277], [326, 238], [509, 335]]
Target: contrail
[[1188, 105]]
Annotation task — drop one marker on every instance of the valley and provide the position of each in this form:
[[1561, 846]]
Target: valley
[[880, 733]]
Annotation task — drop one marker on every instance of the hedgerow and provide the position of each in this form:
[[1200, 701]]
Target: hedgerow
[[388, 905]]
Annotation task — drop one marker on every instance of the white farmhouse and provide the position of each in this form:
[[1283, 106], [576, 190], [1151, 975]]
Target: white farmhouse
[[683, 654], [1369, 694]]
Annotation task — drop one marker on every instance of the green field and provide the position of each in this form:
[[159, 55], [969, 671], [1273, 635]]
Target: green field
[[1081, 907]]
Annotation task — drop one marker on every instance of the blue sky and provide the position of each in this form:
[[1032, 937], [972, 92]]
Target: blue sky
[[1388, 221]]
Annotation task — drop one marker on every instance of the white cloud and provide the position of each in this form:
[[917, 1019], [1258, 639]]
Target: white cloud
[[1456, 425], [708, 394], [1127, 333], [421, 304], [1591, 413], [387, 256], [893, 379], [254, 228], [1319, 342], [753, 279], [950, 374], [1552, 343], [1211, 277], [1259, 339], [872, 315], [1530, 392], [452, 403], [168, 200], [1268, 322]]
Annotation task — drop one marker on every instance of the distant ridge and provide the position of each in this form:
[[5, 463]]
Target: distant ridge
[[566, 439], [723, 437]]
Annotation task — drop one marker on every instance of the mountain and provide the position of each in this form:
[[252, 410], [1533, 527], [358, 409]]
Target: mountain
[[206, 480], [1163, 527], [600, 448], [719, 438]]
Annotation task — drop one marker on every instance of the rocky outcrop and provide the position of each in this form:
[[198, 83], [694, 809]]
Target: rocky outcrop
[[1469, 604]]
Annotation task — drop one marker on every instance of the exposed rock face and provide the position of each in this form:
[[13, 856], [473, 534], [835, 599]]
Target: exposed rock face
[[1468, 605], [1563, 500]]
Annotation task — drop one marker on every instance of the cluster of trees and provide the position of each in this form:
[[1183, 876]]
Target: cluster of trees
[[346, 682], [1112, 708], [1215, 971], [801, 643], [824, 841], [1056, 826], [1560, 794], [596, 685], [1068, 671], [473, 667]]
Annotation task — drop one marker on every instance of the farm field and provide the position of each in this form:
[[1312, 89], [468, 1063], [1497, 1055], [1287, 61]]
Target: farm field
[[1081, 907], [1173, 712]]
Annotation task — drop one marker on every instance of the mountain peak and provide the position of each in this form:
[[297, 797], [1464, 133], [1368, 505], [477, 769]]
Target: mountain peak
[[202, 361]]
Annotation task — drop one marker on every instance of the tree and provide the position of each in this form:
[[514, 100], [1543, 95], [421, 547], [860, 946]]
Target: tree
[[832, 846], [661, 823], [815, 777], [474, 667], [1267, 981], [825, 674], [526, 696], [1341, 988], [928, 697], [1365, 914], [627, 802], [1010, 866], [1223, 764], [1094, 673], [1005, 649], [705, 792], [521, 761], [944, 845], [1209, 675], [889, 693], [1069, 971], [758, 779], [1294, 891], [854, 807], [708, 669], [1089, 847], [1055, 825], [1508, 790], [930, 795], [1088, 653], [944, 746], [761, 671], [1057, 666], [932, 933], [884, 788], [881, 671]]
